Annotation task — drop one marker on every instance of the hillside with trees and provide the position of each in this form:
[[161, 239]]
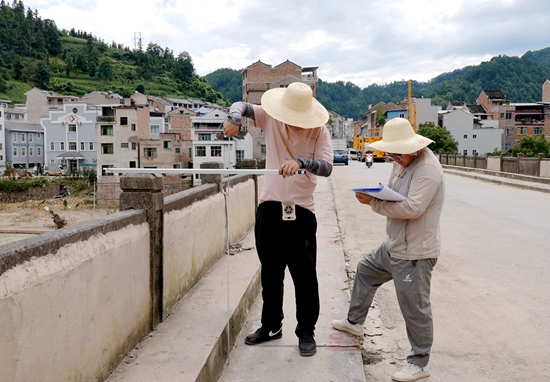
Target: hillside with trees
[[520, 79], [34, 52]]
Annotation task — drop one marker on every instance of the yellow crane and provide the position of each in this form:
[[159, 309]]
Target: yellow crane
[[411, 107]]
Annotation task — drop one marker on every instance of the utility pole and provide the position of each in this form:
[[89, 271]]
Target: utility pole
[[137, 41]]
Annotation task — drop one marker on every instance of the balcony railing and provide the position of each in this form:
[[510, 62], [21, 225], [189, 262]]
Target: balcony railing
[[106, 118]]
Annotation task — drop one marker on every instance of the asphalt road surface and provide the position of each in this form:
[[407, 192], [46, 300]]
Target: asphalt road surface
[[490, 287]]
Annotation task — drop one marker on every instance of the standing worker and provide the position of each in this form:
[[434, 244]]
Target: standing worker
[[412, 245], [293, 122]]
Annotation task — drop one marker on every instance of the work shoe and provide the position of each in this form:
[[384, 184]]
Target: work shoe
[[411, 372], [263, 335], [307, 344], [345, 326]]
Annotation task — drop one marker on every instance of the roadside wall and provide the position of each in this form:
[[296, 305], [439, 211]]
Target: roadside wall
[[75, 301], [535, 167]]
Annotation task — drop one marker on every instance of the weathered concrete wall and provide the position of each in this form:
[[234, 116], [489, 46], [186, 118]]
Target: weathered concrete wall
[[545, 168], [493, 163], [78, 304], [75, 301], [190, 249]]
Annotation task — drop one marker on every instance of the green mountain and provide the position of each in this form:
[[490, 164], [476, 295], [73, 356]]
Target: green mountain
[[34, 52], [520, 79]]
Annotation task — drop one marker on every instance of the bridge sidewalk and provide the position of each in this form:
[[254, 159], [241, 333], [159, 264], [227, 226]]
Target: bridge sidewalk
[[191, 344]]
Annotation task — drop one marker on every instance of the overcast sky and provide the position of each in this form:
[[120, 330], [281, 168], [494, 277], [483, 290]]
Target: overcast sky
[[361, 41]]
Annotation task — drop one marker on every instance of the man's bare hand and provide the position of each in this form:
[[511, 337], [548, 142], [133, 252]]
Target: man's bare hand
[[363, 198], [230, 129], [289, 168]]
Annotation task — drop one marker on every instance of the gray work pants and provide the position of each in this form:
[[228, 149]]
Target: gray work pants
[[412, 279]]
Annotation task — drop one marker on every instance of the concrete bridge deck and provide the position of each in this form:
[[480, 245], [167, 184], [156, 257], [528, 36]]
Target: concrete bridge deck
[[201, 318]]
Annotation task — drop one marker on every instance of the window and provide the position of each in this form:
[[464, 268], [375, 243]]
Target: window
[[39, 151], [401, 115], [200, 151], [107, 148], [239, 155], [31, 151], [133, 127], [178, 150], [522, 130], [508, 115], [155, 129], [123, 120], [474, 152], [0, 127], [465, 136], [150, 152], [465, 152], [215, 151], [501, 115], [52, 146], [537, 131], [167, 144], [1, 146], [30, 137], [15, 151], [82, 146], [132, 164], [38, 135], [134, 146], [204, 137], [23, 152], [23, 136], [176, 166], [106, 130], [14, 137], [124, 145], [103, 172], [262, 149], [62, 146], [474, 136], [72, 146], [92, 146], [72, 128]]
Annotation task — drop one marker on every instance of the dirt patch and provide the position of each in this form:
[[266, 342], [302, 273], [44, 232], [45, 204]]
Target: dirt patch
[[32, 217]]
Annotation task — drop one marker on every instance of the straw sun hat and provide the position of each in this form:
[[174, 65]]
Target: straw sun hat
[[295, 106], [399, 137]]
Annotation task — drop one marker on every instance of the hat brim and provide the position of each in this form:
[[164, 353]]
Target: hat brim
[[404, 146], [313, 117]]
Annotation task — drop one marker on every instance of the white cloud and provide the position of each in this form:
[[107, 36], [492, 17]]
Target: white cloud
[[362, 41]]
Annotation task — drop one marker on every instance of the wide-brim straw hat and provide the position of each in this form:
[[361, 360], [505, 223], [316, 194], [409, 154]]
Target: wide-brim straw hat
[[295, 106], [398, 137]]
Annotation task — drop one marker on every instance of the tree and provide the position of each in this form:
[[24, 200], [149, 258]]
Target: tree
[[444, 142], [140, 88], [42, 75], [532, 145], [105, 70]]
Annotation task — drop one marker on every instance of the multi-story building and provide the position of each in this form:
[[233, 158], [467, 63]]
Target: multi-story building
[[24, 144], [471, 136], [3, 108], [260, 77], [499, 107], [529, 119], [209, 143], [41, 102], [70, 136]]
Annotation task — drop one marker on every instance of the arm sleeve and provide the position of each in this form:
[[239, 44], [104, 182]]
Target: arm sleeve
[[238, 110], [316, 167]]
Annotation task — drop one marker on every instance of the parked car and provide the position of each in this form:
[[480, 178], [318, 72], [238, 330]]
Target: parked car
[[354, 154], [341, 156]]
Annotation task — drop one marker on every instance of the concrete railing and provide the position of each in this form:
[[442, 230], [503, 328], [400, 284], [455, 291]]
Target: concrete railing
[[537, 167], [75, 301]]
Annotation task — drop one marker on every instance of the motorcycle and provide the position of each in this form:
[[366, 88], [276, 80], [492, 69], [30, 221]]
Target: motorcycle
[[63, 191], [368, 160]]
